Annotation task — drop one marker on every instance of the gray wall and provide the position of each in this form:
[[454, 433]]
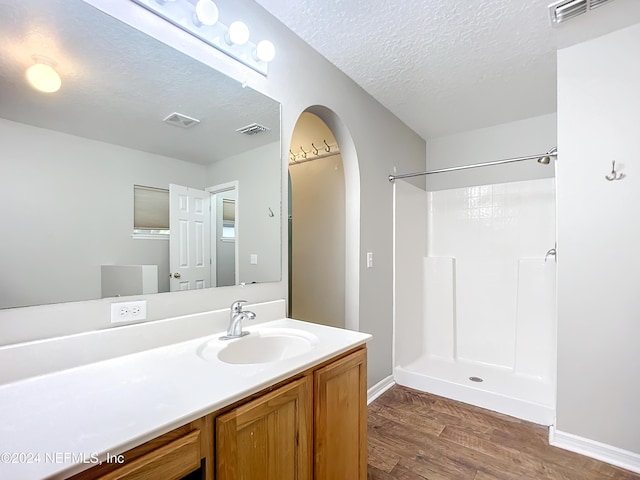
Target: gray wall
[[379, 139]]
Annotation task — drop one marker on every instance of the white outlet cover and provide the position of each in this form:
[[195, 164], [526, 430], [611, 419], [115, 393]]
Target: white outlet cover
[[129, 311]]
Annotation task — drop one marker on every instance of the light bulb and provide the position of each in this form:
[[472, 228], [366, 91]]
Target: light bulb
[[265, 51], [44, 78], [238, 33], [206, 12]]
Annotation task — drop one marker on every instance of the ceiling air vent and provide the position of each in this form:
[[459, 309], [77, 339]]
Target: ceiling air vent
[[567, 9], [253, 129], [596, 3], [180, 120]]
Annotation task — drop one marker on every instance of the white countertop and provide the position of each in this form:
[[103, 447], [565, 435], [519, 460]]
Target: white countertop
[[50, 423]]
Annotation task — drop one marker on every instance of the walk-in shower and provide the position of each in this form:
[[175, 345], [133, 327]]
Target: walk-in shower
[[475, 295]]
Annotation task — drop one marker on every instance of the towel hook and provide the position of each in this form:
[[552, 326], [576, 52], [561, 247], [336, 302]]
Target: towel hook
[[315, 150], [304, 154], [293, 156], [328, 148], [614, 175]]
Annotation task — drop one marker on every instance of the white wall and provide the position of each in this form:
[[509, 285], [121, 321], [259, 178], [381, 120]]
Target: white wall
[[256, 198], [410, 247], [598, 238], [69, 203], [318, 240], [299, 78], [509, 140]]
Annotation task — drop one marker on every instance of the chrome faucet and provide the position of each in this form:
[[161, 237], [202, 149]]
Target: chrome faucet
[[235, 321]]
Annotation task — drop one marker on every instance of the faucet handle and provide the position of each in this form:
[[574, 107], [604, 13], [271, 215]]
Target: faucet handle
[[236, 307]]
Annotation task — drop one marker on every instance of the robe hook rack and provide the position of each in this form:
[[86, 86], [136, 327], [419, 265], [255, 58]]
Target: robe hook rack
[[314, 153]]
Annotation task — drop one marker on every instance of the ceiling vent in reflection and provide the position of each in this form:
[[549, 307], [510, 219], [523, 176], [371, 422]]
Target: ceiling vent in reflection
[[567, 9], [253, 129], [180, 120]]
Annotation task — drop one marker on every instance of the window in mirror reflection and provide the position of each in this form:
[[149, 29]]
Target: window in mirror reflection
[[228, 220], [150, 212]]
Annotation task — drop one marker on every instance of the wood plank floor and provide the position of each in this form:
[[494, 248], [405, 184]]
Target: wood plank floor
[[415, 435]]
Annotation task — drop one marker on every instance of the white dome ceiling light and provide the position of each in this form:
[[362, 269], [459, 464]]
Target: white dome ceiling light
[[43, 77]]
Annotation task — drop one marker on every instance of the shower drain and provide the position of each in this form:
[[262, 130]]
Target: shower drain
[[476, 379]]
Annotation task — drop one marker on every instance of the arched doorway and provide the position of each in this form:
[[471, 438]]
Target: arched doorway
[[324, 208]]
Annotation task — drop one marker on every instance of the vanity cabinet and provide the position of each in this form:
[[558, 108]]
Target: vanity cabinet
[[310, 426]]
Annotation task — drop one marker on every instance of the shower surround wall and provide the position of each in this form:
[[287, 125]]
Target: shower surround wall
[[488, 296]]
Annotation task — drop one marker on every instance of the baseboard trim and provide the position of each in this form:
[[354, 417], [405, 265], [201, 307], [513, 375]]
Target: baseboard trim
[[379, 388], [600, 451]]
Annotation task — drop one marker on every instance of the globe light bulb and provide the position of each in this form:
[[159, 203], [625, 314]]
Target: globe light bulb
[[206, 12], [238, 33], [265, 51]]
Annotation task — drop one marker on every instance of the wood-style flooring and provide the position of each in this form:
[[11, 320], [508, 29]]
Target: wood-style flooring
[[415, 435]]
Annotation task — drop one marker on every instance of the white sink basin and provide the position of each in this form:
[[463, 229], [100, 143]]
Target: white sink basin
[[261, 346]]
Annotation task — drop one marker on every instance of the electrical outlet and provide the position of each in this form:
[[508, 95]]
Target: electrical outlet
[[128, 311]]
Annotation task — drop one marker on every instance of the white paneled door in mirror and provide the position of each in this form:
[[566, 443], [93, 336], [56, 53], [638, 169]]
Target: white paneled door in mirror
[[190, 244]]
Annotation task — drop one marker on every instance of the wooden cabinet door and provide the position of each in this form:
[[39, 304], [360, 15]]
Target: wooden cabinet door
[[268, 438], [185, 452], [340, 416]]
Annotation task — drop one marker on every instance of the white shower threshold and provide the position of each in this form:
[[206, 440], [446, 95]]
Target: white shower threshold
[[501, 390]]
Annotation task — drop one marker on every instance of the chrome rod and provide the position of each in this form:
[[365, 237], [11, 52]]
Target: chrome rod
[[475, 165]]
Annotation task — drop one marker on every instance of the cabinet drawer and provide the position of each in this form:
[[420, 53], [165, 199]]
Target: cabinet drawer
[[169, 462]]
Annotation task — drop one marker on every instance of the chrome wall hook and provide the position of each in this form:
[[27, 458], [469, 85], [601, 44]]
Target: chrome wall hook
[[614, 175], [550, 253]]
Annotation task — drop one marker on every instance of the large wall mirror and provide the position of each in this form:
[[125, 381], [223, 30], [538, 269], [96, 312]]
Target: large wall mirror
[[133, 177]]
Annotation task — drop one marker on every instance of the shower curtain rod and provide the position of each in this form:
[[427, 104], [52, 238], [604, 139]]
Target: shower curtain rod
[[551, 153]]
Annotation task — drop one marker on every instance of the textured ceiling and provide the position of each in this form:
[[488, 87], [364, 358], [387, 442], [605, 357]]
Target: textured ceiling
[[119, 84], [440, 66]]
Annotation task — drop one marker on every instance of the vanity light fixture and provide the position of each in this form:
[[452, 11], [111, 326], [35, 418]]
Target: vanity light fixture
[[201, 19], [42, 76]]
